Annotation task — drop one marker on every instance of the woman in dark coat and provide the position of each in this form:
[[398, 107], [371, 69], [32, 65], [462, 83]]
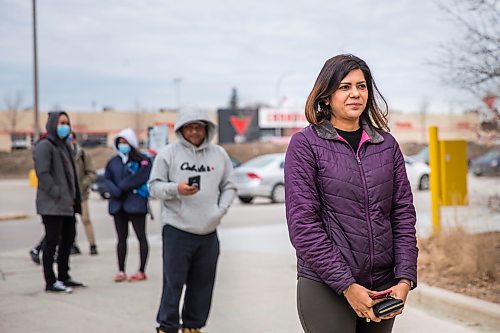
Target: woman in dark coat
[[126, 176]]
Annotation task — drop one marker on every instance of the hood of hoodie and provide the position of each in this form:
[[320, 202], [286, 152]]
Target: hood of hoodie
[[129, 135], [51, 125], [187, 116]]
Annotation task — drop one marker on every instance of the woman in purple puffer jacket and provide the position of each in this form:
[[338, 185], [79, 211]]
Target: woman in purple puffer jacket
[[349, 205]]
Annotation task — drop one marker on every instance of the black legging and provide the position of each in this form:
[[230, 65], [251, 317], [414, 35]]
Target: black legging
[[139, 225]]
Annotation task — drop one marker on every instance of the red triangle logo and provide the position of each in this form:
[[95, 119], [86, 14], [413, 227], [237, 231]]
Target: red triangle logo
[[240, 124]]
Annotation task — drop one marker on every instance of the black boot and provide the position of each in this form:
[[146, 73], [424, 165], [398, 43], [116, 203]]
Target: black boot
[[75, 250], [93, 250], [35, 256]]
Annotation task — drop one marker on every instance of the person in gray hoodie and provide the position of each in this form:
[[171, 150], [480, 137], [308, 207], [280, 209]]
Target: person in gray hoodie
[[57, 200], [193, 179]]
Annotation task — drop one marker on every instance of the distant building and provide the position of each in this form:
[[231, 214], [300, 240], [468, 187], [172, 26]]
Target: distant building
[[93, 128], [240, 125], [278, 124]]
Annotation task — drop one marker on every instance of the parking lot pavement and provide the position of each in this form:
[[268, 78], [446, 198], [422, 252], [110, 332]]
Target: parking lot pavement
[[255, 288], [255, 292]]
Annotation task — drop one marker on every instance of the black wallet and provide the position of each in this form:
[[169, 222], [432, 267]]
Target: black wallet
[[387, 306]]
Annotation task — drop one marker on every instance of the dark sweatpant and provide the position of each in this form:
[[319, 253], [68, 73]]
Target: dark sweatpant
[[190, 260], [322, 310], [59, 231]]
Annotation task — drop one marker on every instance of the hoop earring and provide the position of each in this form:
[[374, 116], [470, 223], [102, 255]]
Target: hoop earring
[[318, 109]]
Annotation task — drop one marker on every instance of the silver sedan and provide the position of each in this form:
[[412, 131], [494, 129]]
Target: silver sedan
[[262, 176]]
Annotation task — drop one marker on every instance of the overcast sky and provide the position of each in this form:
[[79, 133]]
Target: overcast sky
[[127, 53]]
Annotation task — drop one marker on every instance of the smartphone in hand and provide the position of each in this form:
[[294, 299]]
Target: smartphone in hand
[[380, 295], [194, 181]]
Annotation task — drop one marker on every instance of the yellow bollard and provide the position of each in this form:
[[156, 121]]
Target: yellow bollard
[[33, 179], [435, 179], [453, 176]]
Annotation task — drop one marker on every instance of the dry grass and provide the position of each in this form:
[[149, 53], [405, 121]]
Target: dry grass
[[462, 262], [15, 164]]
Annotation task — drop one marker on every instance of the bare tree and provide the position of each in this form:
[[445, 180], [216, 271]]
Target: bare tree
[[13, 104], [472, 61]]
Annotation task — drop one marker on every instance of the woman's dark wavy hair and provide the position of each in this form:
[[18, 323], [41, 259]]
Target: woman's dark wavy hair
[[328, 81]]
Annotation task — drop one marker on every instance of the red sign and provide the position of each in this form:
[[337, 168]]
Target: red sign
[[240, 123], [404, 124], [463, 125]]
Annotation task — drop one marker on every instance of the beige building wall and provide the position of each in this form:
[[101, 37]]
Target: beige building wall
[[5, 142], [415, 127], [405, 127], [105, 122]]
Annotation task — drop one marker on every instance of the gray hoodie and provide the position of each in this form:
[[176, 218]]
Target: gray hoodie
[[200, 213]]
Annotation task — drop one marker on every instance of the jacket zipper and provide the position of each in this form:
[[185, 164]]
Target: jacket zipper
[[369, 222], [365, 189]]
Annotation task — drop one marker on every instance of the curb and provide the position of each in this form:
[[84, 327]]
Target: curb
[[13, 216], [458, 306]]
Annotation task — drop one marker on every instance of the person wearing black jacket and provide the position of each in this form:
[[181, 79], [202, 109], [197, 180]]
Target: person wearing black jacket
[[126, 176], [57, 200]]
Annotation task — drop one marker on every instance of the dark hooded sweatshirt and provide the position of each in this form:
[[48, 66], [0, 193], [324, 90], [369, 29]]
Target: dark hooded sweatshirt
[[58, 192]]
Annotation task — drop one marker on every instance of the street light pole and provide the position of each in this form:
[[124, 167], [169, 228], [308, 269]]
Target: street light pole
[[36, 129], [278, 88], [177, 83]]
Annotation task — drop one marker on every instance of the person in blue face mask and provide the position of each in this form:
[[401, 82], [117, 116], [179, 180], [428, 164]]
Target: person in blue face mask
[[126, 176], [57, 201]]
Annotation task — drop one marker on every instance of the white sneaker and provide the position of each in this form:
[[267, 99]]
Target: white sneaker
[[59, 287]]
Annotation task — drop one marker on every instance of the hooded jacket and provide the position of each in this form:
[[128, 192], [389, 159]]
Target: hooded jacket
[[200, 213], [350, 214], [122, 182], [58, 192]]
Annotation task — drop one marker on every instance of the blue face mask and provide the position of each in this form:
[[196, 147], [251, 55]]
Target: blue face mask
[[63, 131], [124, 148]]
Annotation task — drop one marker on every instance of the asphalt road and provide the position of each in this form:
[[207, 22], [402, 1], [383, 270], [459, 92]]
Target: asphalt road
[[17, 196], [23, 233]]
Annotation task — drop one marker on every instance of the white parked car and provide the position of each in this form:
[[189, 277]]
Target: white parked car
[[418, 173], [262, 176]]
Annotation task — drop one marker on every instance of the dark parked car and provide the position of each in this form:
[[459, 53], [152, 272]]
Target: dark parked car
[[235, 162], [99, 185], [487, 164]]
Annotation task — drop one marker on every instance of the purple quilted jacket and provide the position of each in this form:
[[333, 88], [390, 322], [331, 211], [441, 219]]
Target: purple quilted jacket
[[350, 214]]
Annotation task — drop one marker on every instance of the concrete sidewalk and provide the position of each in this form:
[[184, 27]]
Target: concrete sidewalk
[[255, 292]]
